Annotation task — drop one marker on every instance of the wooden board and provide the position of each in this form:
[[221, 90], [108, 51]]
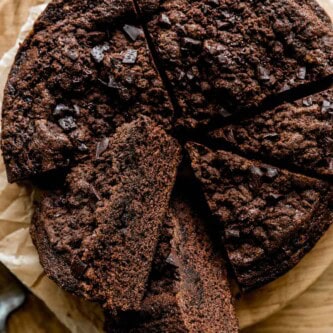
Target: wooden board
[[311, 312]]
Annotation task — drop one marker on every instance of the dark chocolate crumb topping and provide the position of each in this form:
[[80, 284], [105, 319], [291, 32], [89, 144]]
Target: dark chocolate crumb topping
[[100, 96]]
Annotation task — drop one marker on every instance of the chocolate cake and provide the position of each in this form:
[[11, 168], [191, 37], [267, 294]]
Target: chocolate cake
[[269, 218], [99, 101], [188, 289], [224, 56], [85, 70], [97, 237], [298, 134]]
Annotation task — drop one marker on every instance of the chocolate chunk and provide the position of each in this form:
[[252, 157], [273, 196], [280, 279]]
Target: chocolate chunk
[[133, 32], [82, 147], [256, 171], [263, 73], [230, 135], [274, 196], [130, 56], [330, 164], [60, 110], [285, 87], [329, 142], [212, 48], [76, 110], [223, 24], [165, 21], [223, 59], [113, 83], [171, 260], [271, 172], [98, 52], [271, 136], [181, 75], [307, 101], [232, 233], [326, 106], [78, 267], [102, 146], [191, 43], [67, 123], [180, 29], [129, 79], [190, 75], [72, 54], [301, 74], [224, 113]]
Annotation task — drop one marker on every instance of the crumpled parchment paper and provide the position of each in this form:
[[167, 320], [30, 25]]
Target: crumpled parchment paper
[[19, 255]]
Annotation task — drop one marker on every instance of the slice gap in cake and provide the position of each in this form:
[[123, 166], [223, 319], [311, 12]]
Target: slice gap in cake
[[188, 289], [268, 218], [297, 135], [97, 237]]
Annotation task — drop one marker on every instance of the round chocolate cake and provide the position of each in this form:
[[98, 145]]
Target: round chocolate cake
[[179, 145]]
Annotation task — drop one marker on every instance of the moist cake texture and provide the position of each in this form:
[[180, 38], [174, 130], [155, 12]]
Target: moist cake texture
[[104, 225], [268, 217], [297, 134], [110, 96], [188, 289]]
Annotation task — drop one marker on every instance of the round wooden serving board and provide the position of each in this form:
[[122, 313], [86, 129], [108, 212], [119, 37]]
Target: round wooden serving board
[[252, 308]]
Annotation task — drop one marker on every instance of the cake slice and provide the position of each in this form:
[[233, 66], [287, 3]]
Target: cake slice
[[269, 218], [84, 71], [226, 56], [188, 289], [97, 237], [298, 134]]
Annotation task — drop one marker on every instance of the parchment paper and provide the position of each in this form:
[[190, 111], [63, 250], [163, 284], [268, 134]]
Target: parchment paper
[[19, 255]]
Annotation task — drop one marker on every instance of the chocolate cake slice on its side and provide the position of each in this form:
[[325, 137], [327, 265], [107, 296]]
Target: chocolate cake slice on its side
[[98, 236], [188, 289], [269, 218], [298, 134], [84, 71], [226, 56]]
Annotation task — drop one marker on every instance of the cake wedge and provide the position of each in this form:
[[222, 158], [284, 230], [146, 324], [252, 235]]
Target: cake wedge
[[268, 218], [97, 236]]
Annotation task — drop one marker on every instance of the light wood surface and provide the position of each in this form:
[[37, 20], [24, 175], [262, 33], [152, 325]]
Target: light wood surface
[[310, 312], [34, 317]]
